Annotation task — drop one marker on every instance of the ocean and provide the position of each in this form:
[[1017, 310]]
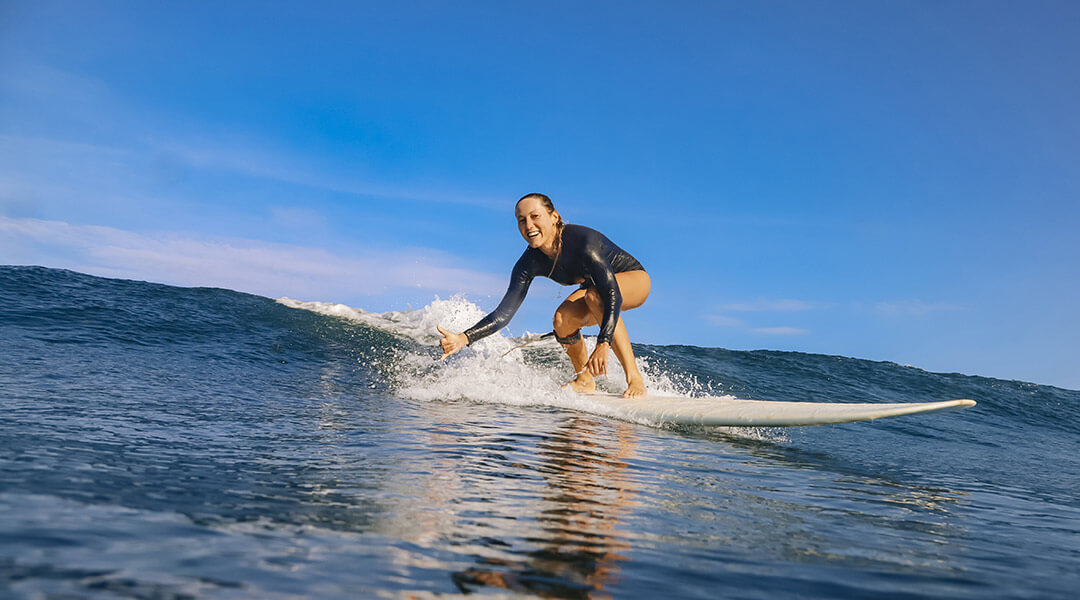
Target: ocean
[[166, 442]]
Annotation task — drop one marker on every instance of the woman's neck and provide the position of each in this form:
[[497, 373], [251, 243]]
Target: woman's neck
[[551, 249]]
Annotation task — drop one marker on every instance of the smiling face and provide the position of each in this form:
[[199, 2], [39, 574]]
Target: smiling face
[[537, 225]]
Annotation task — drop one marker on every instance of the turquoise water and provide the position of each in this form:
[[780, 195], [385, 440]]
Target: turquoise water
[[163, 442]]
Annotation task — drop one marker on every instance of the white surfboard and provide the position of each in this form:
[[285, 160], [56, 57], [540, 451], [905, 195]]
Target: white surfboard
[[760, 413]]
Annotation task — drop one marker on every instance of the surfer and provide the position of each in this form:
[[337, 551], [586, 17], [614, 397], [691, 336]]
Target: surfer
[[610, 281]]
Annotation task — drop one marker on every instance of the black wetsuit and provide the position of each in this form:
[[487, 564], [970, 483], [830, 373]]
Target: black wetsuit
[[587, 257]]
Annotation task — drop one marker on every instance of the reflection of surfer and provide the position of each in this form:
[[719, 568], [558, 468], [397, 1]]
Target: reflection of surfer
[[581, 549], [611, 281]]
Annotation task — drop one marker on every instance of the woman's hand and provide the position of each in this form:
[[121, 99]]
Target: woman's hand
[[451, 342], [597, 364]]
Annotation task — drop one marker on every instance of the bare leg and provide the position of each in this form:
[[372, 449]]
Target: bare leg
[[582, 309], [572, 315], [583, 383], [620, 343]]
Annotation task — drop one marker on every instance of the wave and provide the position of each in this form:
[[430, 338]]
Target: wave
[[206, 352], [398, 351]]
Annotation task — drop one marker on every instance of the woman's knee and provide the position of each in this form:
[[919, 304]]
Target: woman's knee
[[565, 322], [593, 302]]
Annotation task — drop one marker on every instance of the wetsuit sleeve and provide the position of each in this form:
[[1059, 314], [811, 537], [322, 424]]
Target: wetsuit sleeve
[[607, 286], [520, 280]]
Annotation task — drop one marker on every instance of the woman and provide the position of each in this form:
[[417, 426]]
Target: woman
[[611, 281]]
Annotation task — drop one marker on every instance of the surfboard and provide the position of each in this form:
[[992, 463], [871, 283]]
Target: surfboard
[[760, 413]]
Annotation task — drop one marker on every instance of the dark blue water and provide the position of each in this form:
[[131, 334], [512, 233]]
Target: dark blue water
[[163, 442]]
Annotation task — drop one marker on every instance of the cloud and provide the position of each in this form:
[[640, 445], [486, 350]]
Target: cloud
[[253, 159], [76, 131], [77, 151], [785, 305], [780, 330], [725, 321], [722, 320], [913, 308], [259, 267], [898, 309], [107, 139]]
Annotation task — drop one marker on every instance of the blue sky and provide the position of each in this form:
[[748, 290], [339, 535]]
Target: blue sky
[[885, 180]]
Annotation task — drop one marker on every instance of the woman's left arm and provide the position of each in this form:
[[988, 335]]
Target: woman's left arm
[[607, 287]]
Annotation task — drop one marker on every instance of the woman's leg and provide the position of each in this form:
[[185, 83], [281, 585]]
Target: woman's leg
[[582, 309], [570, 317], [620, 344]]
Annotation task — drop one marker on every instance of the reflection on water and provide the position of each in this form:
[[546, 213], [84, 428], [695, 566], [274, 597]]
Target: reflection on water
[[757, 501], [444, 498], [535, 511], [573, 506], [587, 495]]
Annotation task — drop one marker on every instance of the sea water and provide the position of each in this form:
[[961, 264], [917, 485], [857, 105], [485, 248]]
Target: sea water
[[165, 442]]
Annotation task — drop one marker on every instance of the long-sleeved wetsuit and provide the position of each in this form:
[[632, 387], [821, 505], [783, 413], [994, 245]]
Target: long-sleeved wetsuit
[[587, 257]]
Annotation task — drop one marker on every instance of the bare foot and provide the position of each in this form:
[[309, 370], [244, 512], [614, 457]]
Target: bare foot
[[636, 389], [582, 385]]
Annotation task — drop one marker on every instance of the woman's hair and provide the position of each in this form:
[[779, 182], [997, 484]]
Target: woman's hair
[[546, 202]]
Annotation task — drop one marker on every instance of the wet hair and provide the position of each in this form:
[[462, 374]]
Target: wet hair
[[547, 203]]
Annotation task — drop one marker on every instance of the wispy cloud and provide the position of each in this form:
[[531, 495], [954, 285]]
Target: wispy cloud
[[913, 308], [72, 150], [105, 133], [767, 306], [720, 319], [750, 310], [254, 266], [258, 159], [726, 321], [780, 330]]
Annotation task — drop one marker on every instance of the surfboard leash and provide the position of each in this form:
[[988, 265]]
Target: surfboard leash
[[536, 339]]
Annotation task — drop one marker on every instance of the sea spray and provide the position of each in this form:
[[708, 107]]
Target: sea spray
[[486, 371]]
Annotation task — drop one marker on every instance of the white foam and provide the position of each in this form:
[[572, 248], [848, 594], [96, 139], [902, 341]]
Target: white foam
[[484, 372]]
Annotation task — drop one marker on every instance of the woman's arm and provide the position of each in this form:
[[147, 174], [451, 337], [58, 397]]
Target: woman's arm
[[520, 280], [607, 287], [603, 277]]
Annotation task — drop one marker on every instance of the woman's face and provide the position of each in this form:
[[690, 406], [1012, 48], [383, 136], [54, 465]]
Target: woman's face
[[536, 224]]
